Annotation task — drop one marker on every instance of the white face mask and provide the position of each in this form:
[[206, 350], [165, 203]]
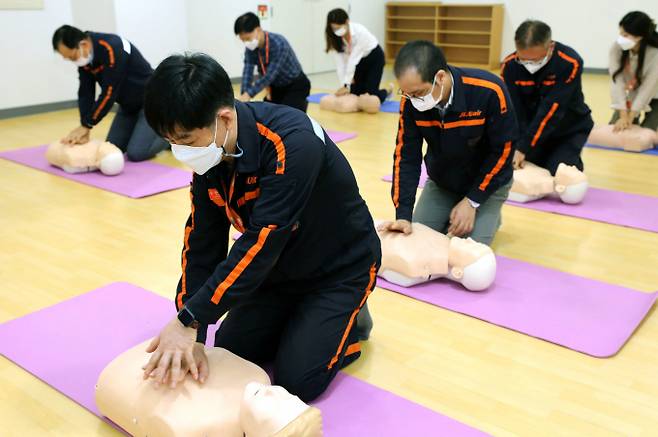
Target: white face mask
[[82, 60], [340, 32], [251, 44], [202, 159], [428, 101], [625, 43]]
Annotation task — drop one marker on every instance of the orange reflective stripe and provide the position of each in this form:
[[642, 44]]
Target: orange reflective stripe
[[243, 264], [103, 102], [353, 348], [548, 82], [216, 197], [501, 161], [278, 144], [110, 50], [505, 62], [398, 156], [368, 290], [524, 82], [451, 124], [249, 195], [186, 248], [492, 86], [543, 124], [573, 61]]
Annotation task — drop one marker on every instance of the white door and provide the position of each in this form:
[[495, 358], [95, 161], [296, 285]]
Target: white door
[[302, 22]]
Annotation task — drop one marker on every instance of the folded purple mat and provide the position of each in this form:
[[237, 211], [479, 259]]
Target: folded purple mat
[[338, 136], [68, 345], [578, 313], [139, 179], [607, 206]]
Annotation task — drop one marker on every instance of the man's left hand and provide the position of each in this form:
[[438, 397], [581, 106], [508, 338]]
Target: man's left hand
[[462, 218], [172, 351], [244, 97], [518, 160]]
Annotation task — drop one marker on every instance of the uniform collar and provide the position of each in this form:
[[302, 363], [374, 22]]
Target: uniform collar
[[457, 101], [248, 139]]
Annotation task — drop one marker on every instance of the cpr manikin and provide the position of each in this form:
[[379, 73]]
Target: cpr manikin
[[633, 139], [236, 400], [82, 158], [426, 254], [350, 103], [533, 182]]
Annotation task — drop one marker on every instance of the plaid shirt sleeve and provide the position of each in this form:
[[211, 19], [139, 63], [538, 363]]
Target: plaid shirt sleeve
[[250, 60], [282, 69]]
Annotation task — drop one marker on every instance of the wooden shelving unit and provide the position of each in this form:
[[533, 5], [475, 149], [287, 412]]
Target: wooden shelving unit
[[468, 34]]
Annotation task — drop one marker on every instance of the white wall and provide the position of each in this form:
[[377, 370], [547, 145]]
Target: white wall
[[157, 28], [210, 30], [589, 26], [31, 72]]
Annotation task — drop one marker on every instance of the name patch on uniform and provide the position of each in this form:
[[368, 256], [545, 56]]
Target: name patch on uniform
[[470, 114]]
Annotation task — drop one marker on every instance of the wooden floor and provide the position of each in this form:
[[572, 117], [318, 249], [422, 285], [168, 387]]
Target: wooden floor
[[61, 239]]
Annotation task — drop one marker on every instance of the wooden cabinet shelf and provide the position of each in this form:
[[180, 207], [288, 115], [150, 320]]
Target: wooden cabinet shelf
[[468, 34]]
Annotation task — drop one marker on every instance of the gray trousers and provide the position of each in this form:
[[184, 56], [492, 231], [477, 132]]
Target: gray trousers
[[650, 118], [435, 203], [132, 134]]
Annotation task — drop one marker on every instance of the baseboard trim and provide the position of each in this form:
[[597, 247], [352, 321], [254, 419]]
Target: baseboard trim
[[37, 109]]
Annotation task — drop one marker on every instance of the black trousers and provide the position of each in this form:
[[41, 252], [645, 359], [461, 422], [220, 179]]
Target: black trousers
[[308, 333], [132, 134], [566, 149], [368, 75], [294, 94]]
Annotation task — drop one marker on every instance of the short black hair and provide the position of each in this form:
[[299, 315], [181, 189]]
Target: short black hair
[[532, 33], [185, 92], [424, 56], [246, 23], [69, 36]]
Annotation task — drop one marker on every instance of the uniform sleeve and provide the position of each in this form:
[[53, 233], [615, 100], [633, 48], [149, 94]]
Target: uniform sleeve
[[407, 162], [553, 106], [247, 71], [115, 63], [502, 131], [649, 86], [515, 97], [618, 85], [284, 192], [205, 245], [279, 51], [86, 92]]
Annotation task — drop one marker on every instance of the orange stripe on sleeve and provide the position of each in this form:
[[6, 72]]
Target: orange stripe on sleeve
[[492, 86], [505, 62], [575, 63], [103, 102], [524, 82], [249, 195], [216, 197], [501, 161], [278, 144], [543, 124], [368, 290], [186, 248], [239, 268], [110, 50], [398, 156]]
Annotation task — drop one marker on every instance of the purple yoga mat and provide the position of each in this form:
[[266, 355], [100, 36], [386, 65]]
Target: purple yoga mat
[[338, 136], [607, 206], [578, 313], [68, 345], [139, 179]]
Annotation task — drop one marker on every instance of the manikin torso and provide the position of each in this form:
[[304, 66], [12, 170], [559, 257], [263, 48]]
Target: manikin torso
[[82, 158], [633, 139]]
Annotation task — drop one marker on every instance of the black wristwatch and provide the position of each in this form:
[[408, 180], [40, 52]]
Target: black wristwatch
[[186, 317]]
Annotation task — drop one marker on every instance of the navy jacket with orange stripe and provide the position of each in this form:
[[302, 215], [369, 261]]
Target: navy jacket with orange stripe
[[469, 150], [120, 70], [549, 103], [296, 200]]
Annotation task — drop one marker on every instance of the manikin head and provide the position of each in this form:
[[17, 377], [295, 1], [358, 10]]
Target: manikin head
[[267, 410], [570, 183], [472, 264]]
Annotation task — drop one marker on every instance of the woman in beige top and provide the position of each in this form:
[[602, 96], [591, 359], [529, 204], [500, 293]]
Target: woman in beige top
[[634, 71]]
